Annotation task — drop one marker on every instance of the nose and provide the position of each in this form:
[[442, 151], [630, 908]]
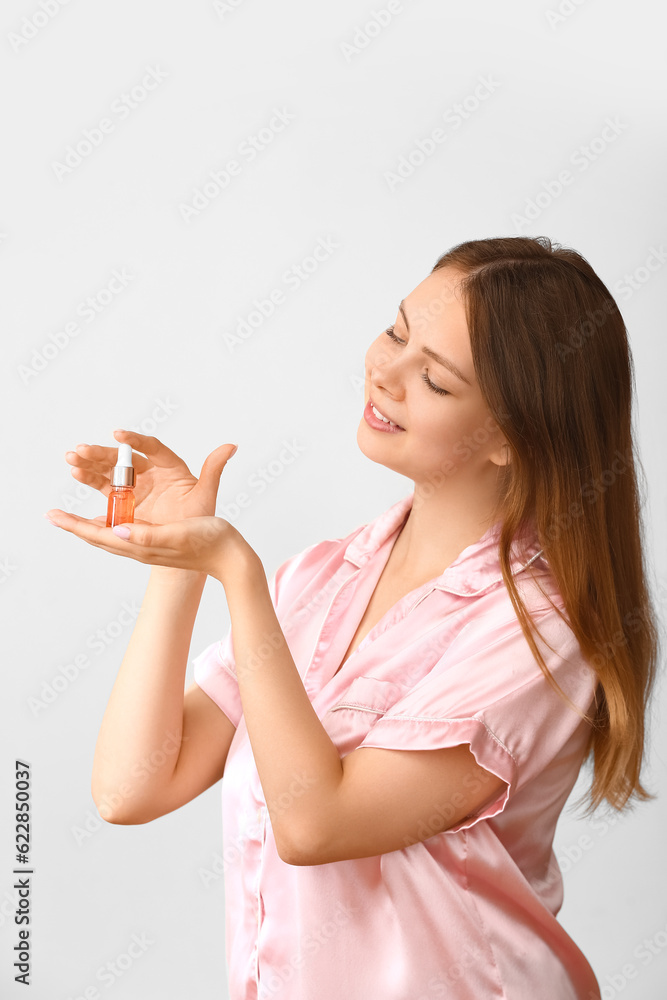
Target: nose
[[385, 376]]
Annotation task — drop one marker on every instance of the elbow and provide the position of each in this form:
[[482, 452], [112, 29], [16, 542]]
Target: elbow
[[118, 820], [117, 808], [292, 856], [288, 852], [113, 814], [119, 817], [296, 848]]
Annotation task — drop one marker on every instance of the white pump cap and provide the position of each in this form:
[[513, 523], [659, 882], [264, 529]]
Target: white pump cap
[[124, 455], [122, 473]]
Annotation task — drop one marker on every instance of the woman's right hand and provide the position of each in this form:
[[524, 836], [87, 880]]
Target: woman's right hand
[[165, 490]]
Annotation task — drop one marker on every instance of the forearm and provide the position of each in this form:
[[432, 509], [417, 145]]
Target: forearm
[[299, 766], [140, 735]]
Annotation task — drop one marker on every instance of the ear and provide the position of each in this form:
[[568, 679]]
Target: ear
[[502, 455]]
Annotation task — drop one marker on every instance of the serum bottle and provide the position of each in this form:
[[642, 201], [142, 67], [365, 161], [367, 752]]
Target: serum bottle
[[120, 508]]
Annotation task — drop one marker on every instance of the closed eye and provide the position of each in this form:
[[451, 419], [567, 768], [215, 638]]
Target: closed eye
[[397, 340]]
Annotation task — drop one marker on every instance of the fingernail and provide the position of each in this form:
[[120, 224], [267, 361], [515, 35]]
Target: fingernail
[[121, 531], [50, 520], [236, 447]]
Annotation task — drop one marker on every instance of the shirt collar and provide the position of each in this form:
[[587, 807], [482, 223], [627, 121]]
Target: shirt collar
[[474, 570]]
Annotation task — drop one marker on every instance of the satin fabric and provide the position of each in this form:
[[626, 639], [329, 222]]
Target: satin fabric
[[468, 913]]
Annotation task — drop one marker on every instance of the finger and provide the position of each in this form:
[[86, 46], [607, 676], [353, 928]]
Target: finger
[[102, 519], [74, 522], [158, 452], [211, 470], [144, 532], [93, 531], [95, 480], [96, 533], [64, 518], [99, 459]]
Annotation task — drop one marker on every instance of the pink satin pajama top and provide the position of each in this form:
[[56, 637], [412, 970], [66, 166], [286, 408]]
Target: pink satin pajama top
[[465, 914]]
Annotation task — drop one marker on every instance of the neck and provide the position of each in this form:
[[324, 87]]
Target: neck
[[439, 526]]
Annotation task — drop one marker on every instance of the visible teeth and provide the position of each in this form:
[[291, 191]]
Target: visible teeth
[[386, 419]]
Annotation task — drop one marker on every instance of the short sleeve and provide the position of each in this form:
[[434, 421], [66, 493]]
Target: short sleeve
[[215, 673], [215, 666], [489, 691]]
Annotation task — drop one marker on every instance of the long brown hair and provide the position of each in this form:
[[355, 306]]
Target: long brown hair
[[553, 363]]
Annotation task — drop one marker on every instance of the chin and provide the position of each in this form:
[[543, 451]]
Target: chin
[[375, 454]]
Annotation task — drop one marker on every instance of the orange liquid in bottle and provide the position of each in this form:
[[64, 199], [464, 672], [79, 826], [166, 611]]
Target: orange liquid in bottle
[[120, 507]]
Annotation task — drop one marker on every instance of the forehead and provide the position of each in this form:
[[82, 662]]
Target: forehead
[[435, 309]]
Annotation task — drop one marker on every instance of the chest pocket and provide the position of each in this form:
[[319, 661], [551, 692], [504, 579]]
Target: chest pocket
[[351, 718]]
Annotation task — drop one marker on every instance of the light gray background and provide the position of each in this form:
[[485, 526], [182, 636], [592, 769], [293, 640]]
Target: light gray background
[[156, 359]]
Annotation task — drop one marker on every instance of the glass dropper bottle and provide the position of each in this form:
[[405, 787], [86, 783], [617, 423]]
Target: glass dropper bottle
[[120, 508]]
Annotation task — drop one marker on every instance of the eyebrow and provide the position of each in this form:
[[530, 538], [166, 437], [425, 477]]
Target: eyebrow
[[445, 362]]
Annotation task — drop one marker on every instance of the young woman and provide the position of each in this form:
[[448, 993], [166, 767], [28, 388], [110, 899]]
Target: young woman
[[396, 746]]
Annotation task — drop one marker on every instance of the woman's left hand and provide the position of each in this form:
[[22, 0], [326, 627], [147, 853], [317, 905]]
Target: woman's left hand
[[205, 544]]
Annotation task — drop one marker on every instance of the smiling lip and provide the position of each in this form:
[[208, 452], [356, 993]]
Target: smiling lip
[[378, 424]]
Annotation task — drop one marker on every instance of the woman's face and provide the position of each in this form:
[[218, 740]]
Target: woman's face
[[442, 432]]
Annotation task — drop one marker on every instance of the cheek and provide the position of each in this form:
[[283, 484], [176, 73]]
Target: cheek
[[443, 429]]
